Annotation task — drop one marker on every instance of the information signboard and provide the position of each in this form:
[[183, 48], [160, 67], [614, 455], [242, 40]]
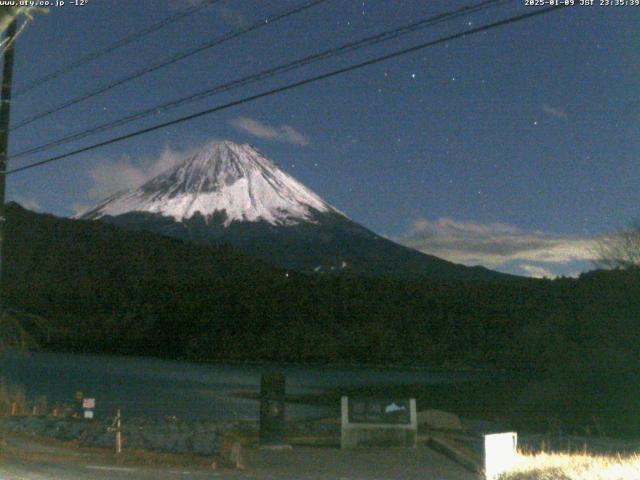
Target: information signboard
[[383, 411], [369, 422]]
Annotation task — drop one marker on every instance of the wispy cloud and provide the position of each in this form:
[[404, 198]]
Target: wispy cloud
[[556, 112], [108, 177], [499, 246], [284, 133], [111, 176], [537, 271], [78, 207], [30, 203]]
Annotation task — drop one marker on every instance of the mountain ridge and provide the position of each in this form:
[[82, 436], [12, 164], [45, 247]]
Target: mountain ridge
[[231, 193]]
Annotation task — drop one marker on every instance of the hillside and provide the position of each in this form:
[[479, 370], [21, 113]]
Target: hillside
[[110, 289], [104, 289]]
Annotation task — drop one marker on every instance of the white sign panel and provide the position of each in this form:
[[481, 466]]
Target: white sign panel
[[499, 453], [88, 403], [88, 414]]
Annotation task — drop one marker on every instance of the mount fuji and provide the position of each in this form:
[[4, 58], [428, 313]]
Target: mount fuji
[[229, 193]]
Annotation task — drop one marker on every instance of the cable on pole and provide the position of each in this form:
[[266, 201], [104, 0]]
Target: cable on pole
[[293, 85], [166, 62], [268, 73], [38, 82]]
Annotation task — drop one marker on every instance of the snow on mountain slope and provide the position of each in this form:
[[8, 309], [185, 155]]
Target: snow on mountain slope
[[224, 177]]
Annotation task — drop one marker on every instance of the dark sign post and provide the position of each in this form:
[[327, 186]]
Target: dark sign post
[[272, 391]]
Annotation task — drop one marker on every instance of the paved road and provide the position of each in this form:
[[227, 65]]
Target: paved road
[[19, 469], [31, 460], [317, 469]]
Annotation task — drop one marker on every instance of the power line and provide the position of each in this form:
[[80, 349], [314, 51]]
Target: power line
[[115, 45], [268, 73], [169, 61], [293, 85]]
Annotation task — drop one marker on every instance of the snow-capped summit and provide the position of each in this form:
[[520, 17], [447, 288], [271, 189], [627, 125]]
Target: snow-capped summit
[[224, 177]]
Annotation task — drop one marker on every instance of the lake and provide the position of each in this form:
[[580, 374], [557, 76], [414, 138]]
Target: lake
[[159, 388]]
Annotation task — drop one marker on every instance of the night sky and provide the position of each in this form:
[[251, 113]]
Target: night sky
[[511, 148]]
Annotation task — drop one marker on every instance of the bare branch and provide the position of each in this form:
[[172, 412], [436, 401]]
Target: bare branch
[[620, 249]]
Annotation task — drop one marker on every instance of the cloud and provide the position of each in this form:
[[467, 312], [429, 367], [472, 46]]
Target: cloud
[[78, 207], [111, 176], [555, 112], [30, 203], [537, 271], [499, 246], [285, 133]]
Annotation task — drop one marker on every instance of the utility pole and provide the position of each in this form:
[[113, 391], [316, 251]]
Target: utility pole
[[5, 108]]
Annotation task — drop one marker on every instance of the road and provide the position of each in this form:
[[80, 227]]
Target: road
[[20, 469], [28, 459]]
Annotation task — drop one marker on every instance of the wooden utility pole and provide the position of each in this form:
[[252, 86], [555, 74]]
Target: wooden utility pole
[[118, 432], [5, 108]]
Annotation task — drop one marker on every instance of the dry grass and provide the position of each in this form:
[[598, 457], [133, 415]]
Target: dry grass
[[558, 466], [10, 394]]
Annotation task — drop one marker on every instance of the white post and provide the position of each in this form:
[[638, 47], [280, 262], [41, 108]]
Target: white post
[[499, 453]]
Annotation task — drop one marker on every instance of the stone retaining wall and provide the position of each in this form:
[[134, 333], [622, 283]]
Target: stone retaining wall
[[169, 436], [197, 438]]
